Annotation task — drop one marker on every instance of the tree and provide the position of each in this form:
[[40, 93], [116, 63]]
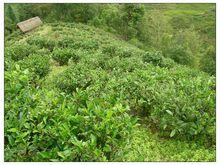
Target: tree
[[132, 15], [155, 30], [10, 19], [185, 48]]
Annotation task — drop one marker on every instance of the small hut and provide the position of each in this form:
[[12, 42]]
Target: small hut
[[29, 24]]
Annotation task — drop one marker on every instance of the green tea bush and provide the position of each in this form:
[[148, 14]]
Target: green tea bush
[[109, 49], [114, 49], [86, 44], [153, 57], [127, 64], [168, 63], [63, 55], [56, 130], [20, 98], [8, 63], [19, 51], [156, 58], [42, 42], [208, 61], [78, 76], [37, 64], [15, 81], [179, 104], [181, 55], [65, 42]]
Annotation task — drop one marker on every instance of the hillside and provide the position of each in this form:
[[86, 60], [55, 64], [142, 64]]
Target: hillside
[[184, 32], [77, 93]]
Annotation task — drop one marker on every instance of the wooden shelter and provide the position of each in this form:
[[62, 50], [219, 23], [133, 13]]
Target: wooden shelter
[[29, 24]]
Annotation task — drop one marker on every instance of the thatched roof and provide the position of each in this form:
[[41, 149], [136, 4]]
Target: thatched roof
[[29, 24]]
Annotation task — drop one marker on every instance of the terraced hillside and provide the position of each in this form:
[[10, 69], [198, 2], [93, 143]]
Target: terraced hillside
[[77, 93]]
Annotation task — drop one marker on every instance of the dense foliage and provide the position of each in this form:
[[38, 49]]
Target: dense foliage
[[79, 94], [182, 32], [64, 55]]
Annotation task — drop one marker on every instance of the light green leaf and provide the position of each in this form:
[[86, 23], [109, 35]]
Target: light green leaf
[[173, 133], [13, 130], [61, 155], [107, 148], [168, 111], [93, 139]]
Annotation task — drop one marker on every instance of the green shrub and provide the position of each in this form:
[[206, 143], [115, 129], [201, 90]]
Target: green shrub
[[8, 63], [59, 131], [157, 59], [65, 42], [127, 64], [37, 64], [63, 55], [109, 49], [15, 81], [181, 55], [78, 76], [19, 51], [113, 49], [153, 57], [167, 63], [42, 42], [87, 44], [20, 98], [178, 103], [208, 61]]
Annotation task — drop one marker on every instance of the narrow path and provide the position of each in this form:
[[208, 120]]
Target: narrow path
[[55, 69]]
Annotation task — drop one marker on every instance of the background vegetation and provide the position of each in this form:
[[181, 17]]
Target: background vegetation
[[183, 32], [76, 92]]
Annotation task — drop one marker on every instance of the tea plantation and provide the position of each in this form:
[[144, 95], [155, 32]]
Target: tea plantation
[[77, 93]]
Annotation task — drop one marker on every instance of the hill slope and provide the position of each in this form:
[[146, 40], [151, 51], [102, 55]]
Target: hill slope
[[77, 93]]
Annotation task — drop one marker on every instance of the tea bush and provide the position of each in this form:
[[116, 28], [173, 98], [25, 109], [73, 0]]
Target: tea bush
[[114, 49], [87, 44], [20, 98], [78, 76], [63, 55], [8, 63], [153, 57], [168, 63], [65, 42], [37, 64], [19, 51], [61, 131], [15, 81], [156, 58], [42, 42], [178, 102], [181, 106]]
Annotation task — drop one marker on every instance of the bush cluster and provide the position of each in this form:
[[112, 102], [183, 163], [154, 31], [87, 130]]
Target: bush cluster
[[42, 42], [64, 55], [37, 64], [45, 125], [19, 51]]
